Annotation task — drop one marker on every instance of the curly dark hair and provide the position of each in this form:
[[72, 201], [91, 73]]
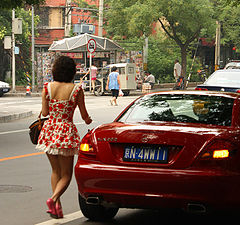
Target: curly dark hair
[[64, 69]]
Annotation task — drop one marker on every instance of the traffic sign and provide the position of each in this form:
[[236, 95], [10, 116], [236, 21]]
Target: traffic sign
[[91, 46]]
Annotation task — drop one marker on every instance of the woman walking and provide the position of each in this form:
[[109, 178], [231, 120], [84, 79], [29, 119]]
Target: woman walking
[[59, 138], [113, 83]]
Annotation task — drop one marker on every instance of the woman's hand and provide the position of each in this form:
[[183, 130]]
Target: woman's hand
[[88, 120]]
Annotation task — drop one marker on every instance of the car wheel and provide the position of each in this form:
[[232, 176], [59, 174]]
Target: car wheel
[[96, 212], [126, 93], [98, 91]]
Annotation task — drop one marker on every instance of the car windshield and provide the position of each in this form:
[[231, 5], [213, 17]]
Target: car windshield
[[224, 78], [214, 110]]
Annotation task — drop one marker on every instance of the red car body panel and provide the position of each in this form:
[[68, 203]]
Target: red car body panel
[[183, 179]]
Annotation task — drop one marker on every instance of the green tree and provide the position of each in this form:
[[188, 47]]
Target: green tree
[[181, 20], [23, 41], [9, 4], [232, 2], [229, 19]]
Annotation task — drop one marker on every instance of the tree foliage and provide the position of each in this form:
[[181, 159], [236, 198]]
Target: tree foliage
[[232, 2], [9, 4], [181, 20], [229, 19], [23, 41]]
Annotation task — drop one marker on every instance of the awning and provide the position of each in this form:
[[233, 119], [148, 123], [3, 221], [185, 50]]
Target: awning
[[79, 44]]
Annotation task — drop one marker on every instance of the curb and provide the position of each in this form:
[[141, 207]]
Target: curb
[[15, 116], [157, 87], [19, 94]]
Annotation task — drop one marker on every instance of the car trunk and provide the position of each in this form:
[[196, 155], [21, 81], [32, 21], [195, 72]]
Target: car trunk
[[179, 145], [219, 88]]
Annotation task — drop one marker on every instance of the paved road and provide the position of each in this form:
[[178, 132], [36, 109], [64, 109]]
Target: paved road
[[25, 175], [18, 106]]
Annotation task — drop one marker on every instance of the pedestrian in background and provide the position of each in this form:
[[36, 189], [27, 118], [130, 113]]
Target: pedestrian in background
[[59, 137], [93, 70], [177, 70], [113, 84], [149, 79]]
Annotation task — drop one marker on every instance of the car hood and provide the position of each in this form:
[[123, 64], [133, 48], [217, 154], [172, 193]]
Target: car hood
[[191, 139], [3, 84]]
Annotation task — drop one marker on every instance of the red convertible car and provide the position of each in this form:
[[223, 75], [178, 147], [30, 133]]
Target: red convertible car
[[167, 149]]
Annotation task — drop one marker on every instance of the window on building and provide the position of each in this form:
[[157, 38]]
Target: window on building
[[43, 14], [51, 17]]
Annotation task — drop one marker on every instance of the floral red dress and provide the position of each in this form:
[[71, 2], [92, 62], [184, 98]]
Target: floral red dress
[[59, 135]]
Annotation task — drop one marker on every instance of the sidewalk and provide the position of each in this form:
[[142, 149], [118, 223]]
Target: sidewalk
[[13, 115]]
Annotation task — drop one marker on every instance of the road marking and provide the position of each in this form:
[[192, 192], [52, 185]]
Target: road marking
[[24, 130], [67, 218], [21, 156], [14, 131]]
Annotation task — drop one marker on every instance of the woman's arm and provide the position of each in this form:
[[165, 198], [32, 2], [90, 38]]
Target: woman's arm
[[107, 83], [45, 105], [82, 107], [118, 80]]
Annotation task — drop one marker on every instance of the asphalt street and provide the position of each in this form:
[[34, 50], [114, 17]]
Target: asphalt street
[[17, 105], [10, 112], [25, 174]]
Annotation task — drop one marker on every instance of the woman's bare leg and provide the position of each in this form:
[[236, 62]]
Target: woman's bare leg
[[114, 100], [66, 165], [56, 171], [93, 85]]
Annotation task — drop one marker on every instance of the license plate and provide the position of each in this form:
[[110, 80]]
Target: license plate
[[158, 154], [5, 90]]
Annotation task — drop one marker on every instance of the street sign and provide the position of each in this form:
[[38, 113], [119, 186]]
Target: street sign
[[91, 46], [7, 42], [17, 26], [16, 50]]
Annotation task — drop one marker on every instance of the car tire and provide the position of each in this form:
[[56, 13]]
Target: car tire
[[98, 91], [126, 93], [96, 212]]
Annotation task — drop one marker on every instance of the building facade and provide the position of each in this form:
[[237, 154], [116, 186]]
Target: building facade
[[58, 18]]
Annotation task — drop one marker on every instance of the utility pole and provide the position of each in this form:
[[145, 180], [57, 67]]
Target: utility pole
[[217, 45], [13, 53], [33, 52], [68, 19], [100, 20], [145, 54]]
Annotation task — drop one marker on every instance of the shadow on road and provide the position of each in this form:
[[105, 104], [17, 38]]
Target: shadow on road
[[164, 217]]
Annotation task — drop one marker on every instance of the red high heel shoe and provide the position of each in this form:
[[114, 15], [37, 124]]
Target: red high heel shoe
[[52, 208], [59, 210]]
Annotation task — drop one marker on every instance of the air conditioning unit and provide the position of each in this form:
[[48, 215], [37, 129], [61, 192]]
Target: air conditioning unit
[[81, 28]]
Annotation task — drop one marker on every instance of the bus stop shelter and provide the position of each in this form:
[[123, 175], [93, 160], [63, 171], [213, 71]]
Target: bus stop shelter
[[78, 44]]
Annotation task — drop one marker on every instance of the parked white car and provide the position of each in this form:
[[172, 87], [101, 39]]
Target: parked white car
[[4, 88]]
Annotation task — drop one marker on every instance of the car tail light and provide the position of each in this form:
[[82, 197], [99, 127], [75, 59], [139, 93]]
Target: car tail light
[[86, 145], [218, 150], [220, 154], [201, 89], [238, 91]]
